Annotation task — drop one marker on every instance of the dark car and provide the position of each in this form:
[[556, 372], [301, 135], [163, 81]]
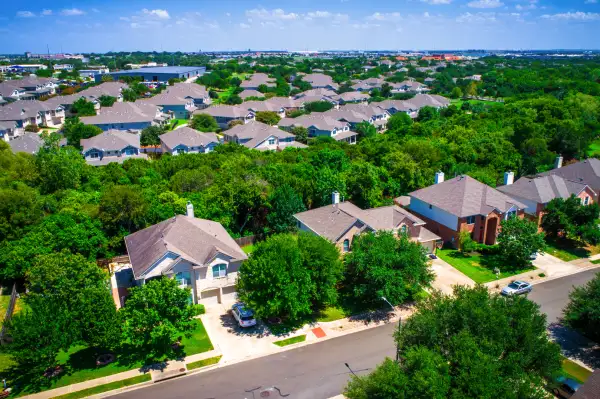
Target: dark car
[[566, 387]]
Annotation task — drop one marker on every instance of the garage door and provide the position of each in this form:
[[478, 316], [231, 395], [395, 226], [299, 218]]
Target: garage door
[[229, 294], [210, 297]]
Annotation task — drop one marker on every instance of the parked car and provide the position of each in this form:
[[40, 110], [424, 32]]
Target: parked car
[[243, 315], [566, 387], [517, 288]]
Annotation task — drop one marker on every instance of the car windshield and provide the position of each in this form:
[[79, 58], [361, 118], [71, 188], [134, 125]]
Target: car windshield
[[514, 286], [247, 318]]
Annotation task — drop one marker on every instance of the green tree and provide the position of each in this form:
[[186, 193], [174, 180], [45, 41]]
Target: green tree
[[569, 218], [150, 135], [235, 81], [366, 130], [129, 95], [123, 207], [383, 265], [234, 99], [466, 244], [60, 168], [456, 93], [583, 311], [107, 101], [518, 240], [301, 134], [20, 208], [83, 107], [204, 123], [75, 130], [156, 313], [107, 78], [285, 202], [269, 117], [318, 106], [399, 123]]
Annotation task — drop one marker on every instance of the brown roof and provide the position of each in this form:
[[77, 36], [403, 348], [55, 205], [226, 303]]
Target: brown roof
[[464, 196]]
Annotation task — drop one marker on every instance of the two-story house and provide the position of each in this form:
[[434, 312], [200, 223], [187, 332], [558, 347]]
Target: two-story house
[[224, 114], [8, 130], [181, 100], [111, 146], [320, 81], [586, 171], [199, 253], [463, 204], [413, 105], [187, 140], [260, 136], [128, 116], [320, 125], [38, 113]]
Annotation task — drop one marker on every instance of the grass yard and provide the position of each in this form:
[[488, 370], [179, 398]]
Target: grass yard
[[596, 262], [459, 102], [594, 150], [575, 371], [248, 249], [566, 250], [331, 313], [290, 341], [106, 387], [177, 122], [477, 267], [203, 363]]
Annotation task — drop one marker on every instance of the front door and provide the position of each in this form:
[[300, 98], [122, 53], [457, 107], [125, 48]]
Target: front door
[[490, 235]]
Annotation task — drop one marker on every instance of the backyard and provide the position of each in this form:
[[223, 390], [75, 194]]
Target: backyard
[[569, 250], [594, 150], [80, 363], [478, 267]]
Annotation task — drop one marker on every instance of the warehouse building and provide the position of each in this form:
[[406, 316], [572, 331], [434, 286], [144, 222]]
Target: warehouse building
[[158, 74]]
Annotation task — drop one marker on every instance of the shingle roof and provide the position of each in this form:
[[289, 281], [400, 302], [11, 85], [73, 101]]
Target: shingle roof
[[258, 79], [251, 93], [320, 80], [29, 143], [414, 104], [257, 106], [316, 119], [112, 89], [351, 96], [179, 94], [543, 189], [464, 196], [590, 389], [188, 137], [587, 171], [124, 112], [316, 92], [227, 111], [111, 140], [257, 132], [196, 240], [19, 110]]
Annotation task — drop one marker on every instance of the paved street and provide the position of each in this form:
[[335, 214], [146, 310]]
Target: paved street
[[311, 372]]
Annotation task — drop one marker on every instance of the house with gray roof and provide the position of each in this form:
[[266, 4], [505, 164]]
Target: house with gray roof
[[320, 81], [38, 113], [111, 146], [342, 221], [128, 116], [29, 87], [464, 204], [257, 79], [224, 114], [8, 130], [320, 125], [260, 136], [198, 253], [251, 93], [181, 99], [413, 106], [409, 86], [351, 97], [187, 140], [586, 171], [288, 104], [537, 192], [316, 93], [29, 143]]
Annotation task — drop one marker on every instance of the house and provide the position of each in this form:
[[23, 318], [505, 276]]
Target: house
[[342, 221], [187, 140], [251, 93], [159, 75], [262, 106], [8, 130], [586, 171], [111, 146], [320, 81], [288, 104], [30, 143], [368, 84], [316, 93], [91, 94], [128, 116], [199, 253], [321, 125], [181, 99], [224, 114], [463, 204], [413, 105], [410, 86], [537, 192], [256, 80], [28, 88], [351, 97], [34, 112], [260, 136], [374, 114]]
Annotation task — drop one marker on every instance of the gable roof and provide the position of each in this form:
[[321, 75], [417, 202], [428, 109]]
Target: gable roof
[[251, 93], [179, 94], [320, 80], [464, 196], [543, 189], [257, 132], [226, 111], [123, 112], [586, 171], [28, 142], [316, 92], [20, 110], [188, 137], [195, 240], [111, 140], [316, 119], [258, 79]]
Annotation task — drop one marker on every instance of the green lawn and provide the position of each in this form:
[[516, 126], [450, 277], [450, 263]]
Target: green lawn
[[596, 262], [203, 363], [106, 387], [290, 341], [248, 249], [477, 267], [331, 313], [459, 102], [575, 371], [594, 150], [173, 123], [80, 361], [566, 250]]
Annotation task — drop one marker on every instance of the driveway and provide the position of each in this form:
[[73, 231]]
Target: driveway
[[554, 267], [446, 277]]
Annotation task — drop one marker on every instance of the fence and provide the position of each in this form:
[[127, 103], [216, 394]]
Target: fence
[[243, 241], [9, 312]]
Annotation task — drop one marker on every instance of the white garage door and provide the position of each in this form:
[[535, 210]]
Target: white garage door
[[229, 294], [210, 297]]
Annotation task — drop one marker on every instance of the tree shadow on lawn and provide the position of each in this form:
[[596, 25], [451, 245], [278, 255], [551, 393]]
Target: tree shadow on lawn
[[570, 246], [260, 330]]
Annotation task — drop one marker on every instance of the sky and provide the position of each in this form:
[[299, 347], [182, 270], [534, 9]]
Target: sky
[[308, 25]]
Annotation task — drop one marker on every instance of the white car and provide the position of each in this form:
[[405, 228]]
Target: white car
[[243, 315], [516, 288]]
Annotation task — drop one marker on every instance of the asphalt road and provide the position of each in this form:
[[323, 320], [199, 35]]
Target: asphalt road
[[317, 371]]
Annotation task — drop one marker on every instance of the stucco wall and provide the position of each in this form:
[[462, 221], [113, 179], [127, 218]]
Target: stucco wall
[[436, 214]]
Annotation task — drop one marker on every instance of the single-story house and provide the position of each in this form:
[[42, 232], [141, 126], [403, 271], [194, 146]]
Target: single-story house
[[224, 114], [316, 93], [320, 81], [198, 253], [351, 97], [187, 140], [463, 204], [319, 124], [128, 116], [251, 93], [342, 221], [111, 146], [260, 136], [256, 80], [261, 106]]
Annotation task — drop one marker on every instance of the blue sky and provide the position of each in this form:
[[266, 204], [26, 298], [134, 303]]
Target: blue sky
[[187, 25]]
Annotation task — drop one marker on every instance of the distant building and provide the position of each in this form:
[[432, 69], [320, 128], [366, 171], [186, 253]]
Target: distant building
[[63, 67], [158, 74], [128, 116], [260, 136], [111, 146]]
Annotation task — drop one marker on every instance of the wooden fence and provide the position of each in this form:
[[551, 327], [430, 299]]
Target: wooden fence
[[243, 241], [9, 312]]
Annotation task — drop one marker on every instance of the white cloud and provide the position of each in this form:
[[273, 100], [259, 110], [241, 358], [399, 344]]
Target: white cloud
[[478, 17], [228, 14], [162, 14], [47, 12], [591, 1], [391, 16], [437, 2], [244, 26], [573, 16], [531, 5], [25, 14], [124, 19], [485, 4], [135, 25], [276, 14], [72, 12], [213, 25], [366, 25]]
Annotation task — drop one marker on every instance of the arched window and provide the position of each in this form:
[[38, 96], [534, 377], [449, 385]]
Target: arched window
[[346, 245], [403, 229], [219, 271]]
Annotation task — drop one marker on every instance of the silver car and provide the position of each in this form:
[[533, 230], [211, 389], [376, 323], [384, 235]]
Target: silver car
[[517, 288]]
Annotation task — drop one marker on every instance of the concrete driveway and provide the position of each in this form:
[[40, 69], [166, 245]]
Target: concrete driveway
[[554, 267], [446, 277]]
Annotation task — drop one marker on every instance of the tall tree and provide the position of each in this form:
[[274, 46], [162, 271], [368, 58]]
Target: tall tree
[[269, 117], [204, 123], [518, 240], [583, 311], [285, 202], [123, 207]]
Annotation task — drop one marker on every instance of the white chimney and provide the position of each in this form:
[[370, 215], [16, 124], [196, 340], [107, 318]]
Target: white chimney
[[190, 209], [335, 198], [509, 178], [558, 162], [439, 177]]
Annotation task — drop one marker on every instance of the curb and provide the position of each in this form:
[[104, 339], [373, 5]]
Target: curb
[[566, 275]]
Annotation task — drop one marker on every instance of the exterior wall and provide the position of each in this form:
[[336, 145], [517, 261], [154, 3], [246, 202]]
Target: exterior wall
[[124, 126], [266, 146], [349, 235], [179, 111], [435, 214], [206, 282], [110, 154], [587, 193]]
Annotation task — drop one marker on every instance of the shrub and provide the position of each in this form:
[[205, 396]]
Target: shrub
[[32, 128]]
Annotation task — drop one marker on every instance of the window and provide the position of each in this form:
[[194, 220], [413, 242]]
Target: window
[[184, 279], [271, 141], [471, 219], [430, 206], [219, 271], [94, 154], [346, 245], [586, 201], [403, 229]]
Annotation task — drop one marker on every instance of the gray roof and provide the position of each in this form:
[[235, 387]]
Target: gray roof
[[586, 171], [227, 111], [123, 112], [112, 89], [111, 140], [266, 105], [180, 93], [414, 104], [316, 119], [351, 96], [320, 80], [285, 102], [464, 196], [258, 79], [29, 143], [543, 189], [590, 389], [251, 93], [188, 137], [316, 92], [20, 110], [8, 125], [195, 240], [257, 132]]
